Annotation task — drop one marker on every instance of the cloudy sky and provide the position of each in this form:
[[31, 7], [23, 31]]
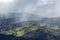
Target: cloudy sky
[[48, 8]]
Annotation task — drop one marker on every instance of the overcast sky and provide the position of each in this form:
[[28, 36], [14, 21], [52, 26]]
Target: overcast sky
[[49, 8]]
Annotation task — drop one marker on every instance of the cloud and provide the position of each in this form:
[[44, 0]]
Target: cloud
[[5, 7], [47, 8], [6, 1], [28, 9], [44, 1]]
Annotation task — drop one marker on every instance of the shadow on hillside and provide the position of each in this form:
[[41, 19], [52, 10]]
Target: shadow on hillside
[[10, 37]]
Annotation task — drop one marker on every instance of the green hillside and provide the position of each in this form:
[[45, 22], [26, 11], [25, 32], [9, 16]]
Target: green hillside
[[30, 30]]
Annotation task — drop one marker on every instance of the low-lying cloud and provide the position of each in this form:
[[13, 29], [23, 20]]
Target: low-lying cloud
[[49, 8]]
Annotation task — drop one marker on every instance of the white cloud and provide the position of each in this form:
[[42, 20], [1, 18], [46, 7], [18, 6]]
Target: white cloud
[[29, 8], [6, 7], [44, 1], [6, 1], [39, 7]]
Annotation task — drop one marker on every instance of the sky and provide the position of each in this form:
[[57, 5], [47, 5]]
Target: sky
[[46, 8]]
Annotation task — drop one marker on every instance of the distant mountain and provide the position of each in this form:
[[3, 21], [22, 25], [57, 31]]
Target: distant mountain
[[17, 19], [51, 21]]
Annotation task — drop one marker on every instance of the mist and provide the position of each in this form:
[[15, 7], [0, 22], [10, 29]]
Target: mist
[[45, 8]]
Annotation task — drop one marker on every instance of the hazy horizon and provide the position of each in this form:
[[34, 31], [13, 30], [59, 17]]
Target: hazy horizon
[[46, 8]]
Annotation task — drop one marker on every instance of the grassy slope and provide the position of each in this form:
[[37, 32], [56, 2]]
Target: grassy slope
[[24, 30]]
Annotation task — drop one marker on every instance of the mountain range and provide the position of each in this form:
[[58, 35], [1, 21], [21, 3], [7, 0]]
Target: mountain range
[[34, 27]]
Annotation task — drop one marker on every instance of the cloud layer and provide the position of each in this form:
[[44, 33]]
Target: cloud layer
[[48, 8]]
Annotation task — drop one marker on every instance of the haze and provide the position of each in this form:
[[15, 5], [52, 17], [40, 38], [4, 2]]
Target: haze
[[46, 8]]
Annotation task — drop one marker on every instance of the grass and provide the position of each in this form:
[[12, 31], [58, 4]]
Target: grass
[[20, 33], [33, 28]]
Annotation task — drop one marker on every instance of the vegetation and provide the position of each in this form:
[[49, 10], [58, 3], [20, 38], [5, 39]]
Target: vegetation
[[30, 29]]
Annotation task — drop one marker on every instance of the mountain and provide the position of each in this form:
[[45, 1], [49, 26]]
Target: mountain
[[10, 37], [16, 19], [33, 27], [34, 32], [51, 21]]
